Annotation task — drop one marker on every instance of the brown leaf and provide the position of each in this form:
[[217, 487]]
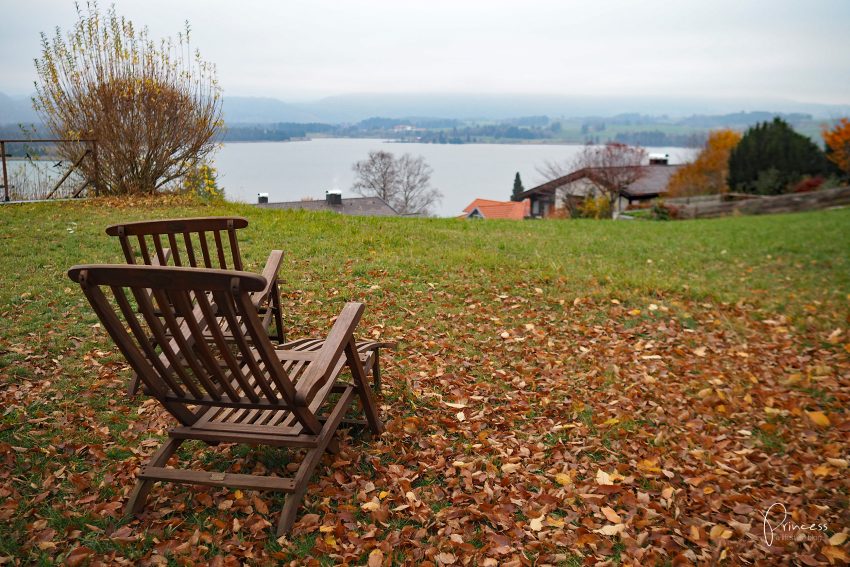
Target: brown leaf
[[611, 529], [835, 555], [611, 515], [818, 418], [78, 555], [124, 534]]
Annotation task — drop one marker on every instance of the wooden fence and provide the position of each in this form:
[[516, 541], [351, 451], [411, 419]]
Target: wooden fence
[[723, 205], [89, 152]]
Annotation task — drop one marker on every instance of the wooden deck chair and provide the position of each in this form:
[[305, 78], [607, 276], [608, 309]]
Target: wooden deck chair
[[203, 242], [244, 390], [211, 242]]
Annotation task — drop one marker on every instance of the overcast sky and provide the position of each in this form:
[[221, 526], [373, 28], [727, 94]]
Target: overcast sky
[[302, 50]]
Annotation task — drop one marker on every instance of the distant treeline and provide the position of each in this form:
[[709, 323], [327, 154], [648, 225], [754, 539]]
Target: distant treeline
[[653, 130], [658, 138], [472, 134], [741, 119], [277, 132]]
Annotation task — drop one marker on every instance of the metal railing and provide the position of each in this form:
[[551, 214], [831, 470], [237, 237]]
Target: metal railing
[[88, 152]]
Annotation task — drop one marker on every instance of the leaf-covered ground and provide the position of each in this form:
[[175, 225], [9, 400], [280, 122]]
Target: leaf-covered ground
[[563, 393]]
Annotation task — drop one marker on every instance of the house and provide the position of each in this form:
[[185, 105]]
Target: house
[[488, 209], [558, 196], [333, 201]]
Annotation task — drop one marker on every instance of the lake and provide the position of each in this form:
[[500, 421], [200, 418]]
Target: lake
[[290, 171]]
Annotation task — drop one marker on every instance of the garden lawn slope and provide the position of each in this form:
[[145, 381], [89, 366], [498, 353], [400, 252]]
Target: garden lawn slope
[[563, 392]]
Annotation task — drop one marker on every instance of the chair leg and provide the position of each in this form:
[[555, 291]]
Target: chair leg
[[290, 506], [133, 386], [139, 496], [274, 305], [376, 371], [364, 390], [311, 461], [302, 480]]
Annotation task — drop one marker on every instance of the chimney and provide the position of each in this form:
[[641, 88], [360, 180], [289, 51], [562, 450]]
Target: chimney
[[333, 197], [262, 198]]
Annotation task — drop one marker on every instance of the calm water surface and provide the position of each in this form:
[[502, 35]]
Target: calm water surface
[[290, 171]]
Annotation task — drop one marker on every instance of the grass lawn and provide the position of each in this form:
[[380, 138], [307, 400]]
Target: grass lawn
[[564, 392]]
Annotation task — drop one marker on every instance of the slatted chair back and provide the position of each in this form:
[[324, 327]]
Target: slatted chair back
[[162, 319], [206, 242]]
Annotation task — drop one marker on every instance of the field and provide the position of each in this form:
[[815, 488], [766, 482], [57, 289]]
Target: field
[[563, 392]]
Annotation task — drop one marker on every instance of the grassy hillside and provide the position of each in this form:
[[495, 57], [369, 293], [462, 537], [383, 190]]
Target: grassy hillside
[[575, 347], [789, 263]]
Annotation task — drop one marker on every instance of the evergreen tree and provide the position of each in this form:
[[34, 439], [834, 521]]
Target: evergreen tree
[[771, 157], [518, 188]]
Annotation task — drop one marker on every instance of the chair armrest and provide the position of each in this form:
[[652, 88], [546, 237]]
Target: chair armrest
[[318, 372], [270, 273]]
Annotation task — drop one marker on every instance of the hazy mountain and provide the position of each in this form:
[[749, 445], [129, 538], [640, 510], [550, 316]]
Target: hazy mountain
[[242, 109], [16, 110], [353, 108], [356, 107]]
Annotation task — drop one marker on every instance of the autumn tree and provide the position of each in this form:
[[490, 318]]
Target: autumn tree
[[837, 140], [709, 172], [518, 190], [154, 108], [404, 183], [771, 157]]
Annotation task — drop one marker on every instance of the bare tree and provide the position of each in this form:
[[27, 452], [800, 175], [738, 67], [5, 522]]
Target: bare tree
[[404, 182], [415, 194], [376, 176], [612, 167], [155, 109]]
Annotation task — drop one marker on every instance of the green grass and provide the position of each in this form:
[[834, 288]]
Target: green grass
[[426, 282], [793, 264]]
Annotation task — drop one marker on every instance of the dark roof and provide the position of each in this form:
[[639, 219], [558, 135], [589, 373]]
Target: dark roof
[[358, 206], [653, 181]]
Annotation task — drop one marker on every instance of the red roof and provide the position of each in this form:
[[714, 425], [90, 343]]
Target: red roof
[[490, 209]]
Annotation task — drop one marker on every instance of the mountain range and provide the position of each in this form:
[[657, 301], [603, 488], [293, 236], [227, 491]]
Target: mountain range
[[357, 107], [353, 108]]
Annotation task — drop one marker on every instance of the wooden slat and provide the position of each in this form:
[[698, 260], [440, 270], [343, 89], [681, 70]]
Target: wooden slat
[[230, 480], [127, 249], [165, 299], [143, 248], [190, 250], [183, 302], [175, 251], [222, 262], [194, 224], [234, 247], [264, 348], [172, 360], [205, 250], [250, 428], [286, 355], [225, 305], [319, 371], [160, 250], [166, 345], [143, 340], [221, 342]]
